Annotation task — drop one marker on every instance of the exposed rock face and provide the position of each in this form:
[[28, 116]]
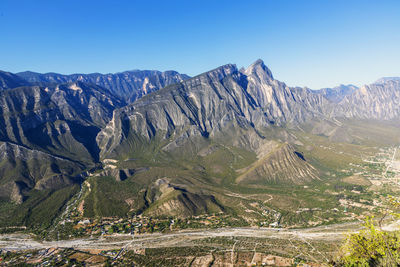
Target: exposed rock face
[[46, 131], [128, 85], [52, 116], [222, 101], [15, 194], [280, 103], [88, 103], [55, 121], [376, 101], [62, 120]]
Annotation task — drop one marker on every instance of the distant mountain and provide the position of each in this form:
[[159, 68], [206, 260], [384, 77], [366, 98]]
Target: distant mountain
[[336, 94], [128, 85], [386, 79], [9, 80], [380, 100]]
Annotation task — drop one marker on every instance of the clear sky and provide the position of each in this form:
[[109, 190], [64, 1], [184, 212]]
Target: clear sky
[[319, 43]]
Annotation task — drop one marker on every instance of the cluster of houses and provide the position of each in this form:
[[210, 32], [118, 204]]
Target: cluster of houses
[[142, 224]]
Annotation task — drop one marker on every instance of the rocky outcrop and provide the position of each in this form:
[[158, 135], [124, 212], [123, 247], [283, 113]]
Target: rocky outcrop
[[86, 103], [279, 103]]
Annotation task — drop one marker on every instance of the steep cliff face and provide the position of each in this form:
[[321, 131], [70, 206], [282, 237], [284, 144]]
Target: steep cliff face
[[194, 108], [280, 103], [90, 104], [46, 131], [220, 103], [375, 101], [213, 105], [128, 85], [49, 123], [62, 120]]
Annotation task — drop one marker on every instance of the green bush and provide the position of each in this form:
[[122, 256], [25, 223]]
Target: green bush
[[370, 247]]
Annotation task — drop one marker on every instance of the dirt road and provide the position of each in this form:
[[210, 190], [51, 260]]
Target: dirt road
[[181, 238]]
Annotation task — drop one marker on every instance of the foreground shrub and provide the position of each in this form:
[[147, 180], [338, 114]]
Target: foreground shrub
[[370, 247]]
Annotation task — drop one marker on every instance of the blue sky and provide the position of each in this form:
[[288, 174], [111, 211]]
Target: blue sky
[[319, 43]]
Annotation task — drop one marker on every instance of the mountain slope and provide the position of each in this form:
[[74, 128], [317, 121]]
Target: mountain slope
[[222, 102], [189, 148], [167, 199], [202, 131], [62, 120], [23, 169], [128, 85], [336, 94], [374, 101], [283, 164], [386, 79], [49, 135], [9, 80]]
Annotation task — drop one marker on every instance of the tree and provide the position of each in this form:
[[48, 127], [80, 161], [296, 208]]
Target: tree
[[372, 246]]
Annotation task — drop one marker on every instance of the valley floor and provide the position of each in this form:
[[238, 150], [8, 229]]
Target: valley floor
[[317, 244]]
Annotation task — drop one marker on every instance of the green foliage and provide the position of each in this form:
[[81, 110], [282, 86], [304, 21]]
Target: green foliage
[[371, 247], [39, 210], [107, 197]]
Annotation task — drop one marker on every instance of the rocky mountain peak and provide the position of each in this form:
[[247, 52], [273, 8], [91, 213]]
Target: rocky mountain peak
[[259, 69]]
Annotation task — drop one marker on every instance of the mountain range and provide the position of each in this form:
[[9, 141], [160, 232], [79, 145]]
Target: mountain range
[[128, 85], [180, 145]]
